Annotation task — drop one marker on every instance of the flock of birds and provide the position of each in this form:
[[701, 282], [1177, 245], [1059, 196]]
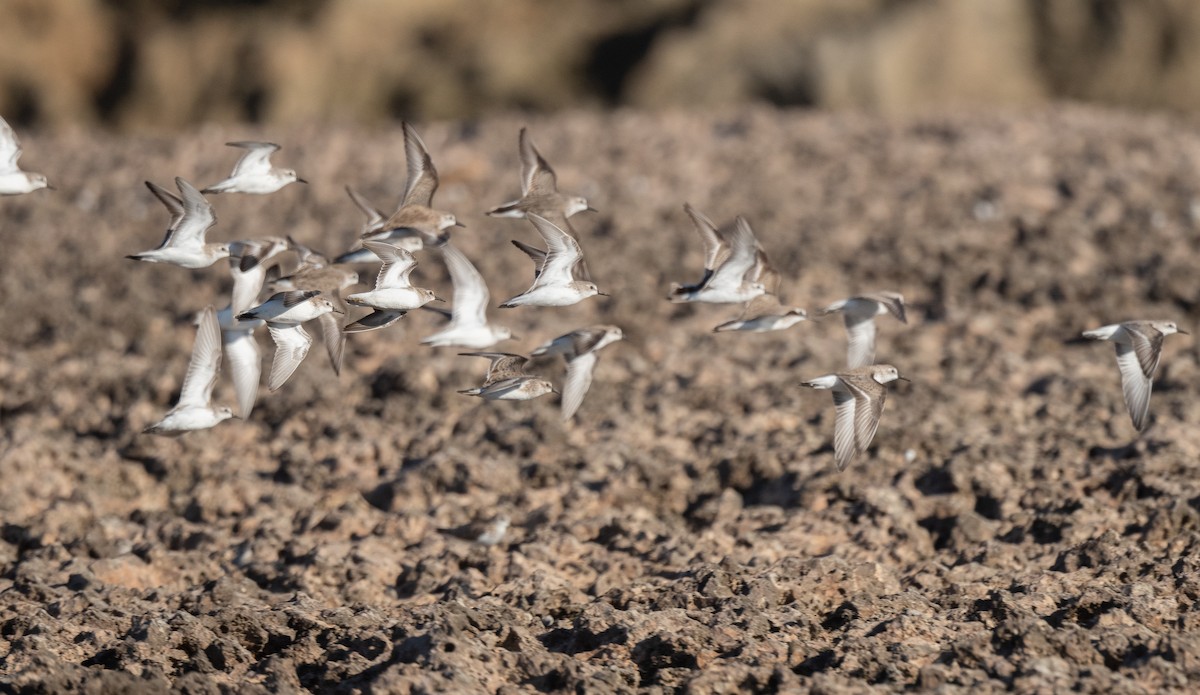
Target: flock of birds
[[736, 271]]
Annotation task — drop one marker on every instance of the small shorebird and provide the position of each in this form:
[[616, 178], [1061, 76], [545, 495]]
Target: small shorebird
[[14, 181], [191, 218], [506, 380], [253, 173], [733, 264], [1139, 346], [539, 188], [859, 314], [372, 229], [486, 531], [469, 327], [858, 395], [579, 348], [555, 282], [394, 294], [285, 314], [765, 312], [194, 411], [415, 215]]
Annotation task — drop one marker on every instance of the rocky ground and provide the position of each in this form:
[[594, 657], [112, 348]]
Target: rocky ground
[[688, 532]]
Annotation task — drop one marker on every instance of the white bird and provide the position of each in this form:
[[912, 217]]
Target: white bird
[[285, 314], [539, 188], [506, 380], [732, 267], [194, 410], [858, 313], [191, 218], [14, 181], [579, 348], [555, 282], [469, 327], [394, 294], [858, 395], [415, 215], [1139, 347], [254, 173]]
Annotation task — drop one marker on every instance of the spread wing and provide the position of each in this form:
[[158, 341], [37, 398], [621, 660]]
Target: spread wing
[[535, 254], [562, 253], [380, 318], [1135, 383], [291, 347], [579, 380], [844, 447], [205, 363], [257, 159], [1147, 345], [471, 294], [198, 217], [743, 252], [716, 250], [398, 264], [245, 366], [869, 396], [537, 178], [331, 325], [10, 149], [860, 350], [422, 177], [171, 201], [375, 216], [891, 301]]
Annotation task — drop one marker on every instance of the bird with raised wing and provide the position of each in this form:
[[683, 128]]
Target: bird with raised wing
[[469, 326], [254, 172], [539, 188], [556, 280], [191, 218], [13, 180], [394, 294], [194, 411], [416, 215], [733, 264]]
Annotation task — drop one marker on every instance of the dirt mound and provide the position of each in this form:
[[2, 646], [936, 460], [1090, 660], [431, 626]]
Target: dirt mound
[[689, 532]]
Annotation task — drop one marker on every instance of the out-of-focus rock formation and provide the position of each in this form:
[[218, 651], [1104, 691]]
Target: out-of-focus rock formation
[[136, 64]]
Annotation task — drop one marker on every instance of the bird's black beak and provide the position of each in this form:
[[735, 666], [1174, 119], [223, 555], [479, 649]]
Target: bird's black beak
[[603, 294], [48, 187], [590, 209], [459, 224], [300, 180], [437, 298], [1182, 332], [904, 378]]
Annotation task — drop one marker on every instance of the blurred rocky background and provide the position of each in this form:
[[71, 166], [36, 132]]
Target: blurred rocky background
[[163, 64]]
